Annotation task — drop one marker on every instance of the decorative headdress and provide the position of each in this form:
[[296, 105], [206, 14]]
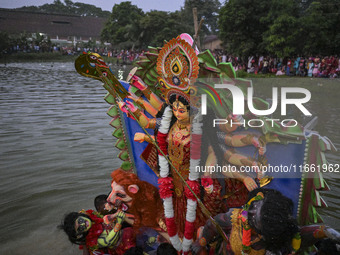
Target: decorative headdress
[[177, 67]]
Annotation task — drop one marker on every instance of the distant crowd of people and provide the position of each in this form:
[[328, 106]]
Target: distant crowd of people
[[124, 57], [312, 66], [316, 66]]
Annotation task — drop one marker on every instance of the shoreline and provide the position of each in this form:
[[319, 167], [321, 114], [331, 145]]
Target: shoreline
[[25, 57]]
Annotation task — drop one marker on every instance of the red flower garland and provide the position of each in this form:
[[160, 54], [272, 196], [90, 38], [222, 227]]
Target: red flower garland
[[189, 230], [195, 188], [163, 145], [171, 226], [166, 187]]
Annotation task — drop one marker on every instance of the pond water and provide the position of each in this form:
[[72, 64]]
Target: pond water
[[57, 152]]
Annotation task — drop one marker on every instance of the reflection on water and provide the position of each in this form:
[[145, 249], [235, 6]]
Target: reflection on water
[[57, 152]]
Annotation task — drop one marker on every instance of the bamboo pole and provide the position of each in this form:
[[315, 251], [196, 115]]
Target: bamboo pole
[[196, 27]]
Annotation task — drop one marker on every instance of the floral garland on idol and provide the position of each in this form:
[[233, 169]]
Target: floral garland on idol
[[166, 185], [178, 67]]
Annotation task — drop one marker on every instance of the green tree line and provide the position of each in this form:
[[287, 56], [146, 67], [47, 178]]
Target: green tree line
[[246, 27], [280, 27], [128, 26], [68, 7]]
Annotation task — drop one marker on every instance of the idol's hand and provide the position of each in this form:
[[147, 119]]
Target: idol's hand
[[125, 106], [133, 97], [249, 183], [139, 137], [129, 105], [120, 217], [260, 173], [108, 219], [139, 84], [258, 145]]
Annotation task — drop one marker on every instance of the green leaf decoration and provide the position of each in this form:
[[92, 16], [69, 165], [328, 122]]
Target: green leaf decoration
[[115, 122], [120, 144], [154, 73], [143, 63], [124, 155], [152, 56], [153, 49], [113, 111], [207, 59], [126, 165], [118, 133], [151, 78], [227, 69], [109, 99]]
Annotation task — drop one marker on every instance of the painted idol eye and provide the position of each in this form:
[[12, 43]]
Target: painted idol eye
[[81, 229], [121, 195], [81, 221], [81, 225]]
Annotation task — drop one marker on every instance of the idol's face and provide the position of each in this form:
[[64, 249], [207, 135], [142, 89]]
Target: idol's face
[[180, 111], [82, 225], [254, 215], [118, 198]]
